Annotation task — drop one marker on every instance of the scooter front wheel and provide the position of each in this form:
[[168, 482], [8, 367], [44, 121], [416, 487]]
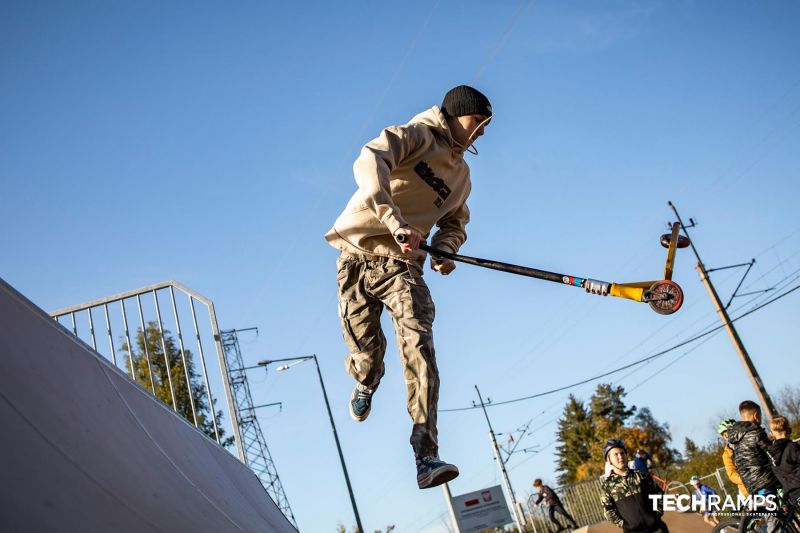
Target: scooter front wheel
[[664, 297]]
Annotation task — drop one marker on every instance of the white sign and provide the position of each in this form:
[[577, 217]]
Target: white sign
[[482, 509]]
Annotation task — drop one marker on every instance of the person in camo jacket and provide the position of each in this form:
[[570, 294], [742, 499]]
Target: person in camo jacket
[[626, 493], [410, 179]]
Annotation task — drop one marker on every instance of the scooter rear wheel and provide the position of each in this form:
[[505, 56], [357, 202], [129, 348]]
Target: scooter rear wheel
[[664, 297], [683, 241]]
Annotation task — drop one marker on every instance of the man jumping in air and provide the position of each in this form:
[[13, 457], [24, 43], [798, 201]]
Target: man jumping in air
[[410, 179]]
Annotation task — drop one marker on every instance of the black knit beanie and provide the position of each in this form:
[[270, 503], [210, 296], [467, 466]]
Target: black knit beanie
[[464, 100]]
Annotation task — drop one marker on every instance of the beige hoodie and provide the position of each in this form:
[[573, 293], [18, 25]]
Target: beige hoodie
[[410, 175]]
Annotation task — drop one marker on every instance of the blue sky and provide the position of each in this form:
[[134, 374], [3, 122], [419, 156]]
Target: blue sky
[[213, 144]]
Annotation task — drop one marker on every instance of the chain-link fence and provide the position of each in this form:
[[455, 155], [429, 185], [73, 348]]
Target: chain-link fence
[[581, 500]]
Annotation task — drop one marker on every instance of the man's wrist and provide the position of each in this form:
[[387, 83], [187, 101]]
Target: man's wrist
[[394, 223]]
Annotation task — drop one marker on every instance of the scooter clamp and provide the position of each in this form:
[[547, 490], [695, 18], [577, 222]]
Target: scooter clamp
[[594, 286]]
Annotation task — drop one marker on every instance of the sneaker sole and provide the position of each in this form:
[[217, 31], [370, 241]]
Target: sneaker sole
[[352, 414], [438, 476]]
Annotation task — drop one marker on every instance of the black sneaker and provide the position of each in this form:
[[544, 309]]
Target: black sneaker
[[360, 403], [432, 472]]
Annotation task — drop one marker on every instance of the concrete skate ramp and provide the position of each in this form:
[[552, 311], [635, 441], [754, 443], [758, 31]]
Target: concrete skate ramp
[[676, 522], [85, 449]]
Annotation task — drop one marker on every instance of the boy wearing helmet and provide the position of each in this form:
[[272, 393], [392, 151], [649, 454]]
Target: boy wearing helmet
[[410, 178], [626, 493]]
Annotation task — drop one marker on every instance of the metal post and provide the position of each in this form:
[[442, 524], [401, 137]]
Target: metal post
[[144, 344], [338, 447], [183, 354], [720, 481], [128, 338], [110, 337], [211, 406], [523, 518], [91, 329], [226, 384], [504, 474], [448, 498], [167, 362], [532, 512], [744, 357]]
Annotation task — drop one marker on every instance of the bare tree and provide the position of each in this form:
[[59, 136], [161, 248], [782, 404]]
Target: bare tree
[[788, 405]]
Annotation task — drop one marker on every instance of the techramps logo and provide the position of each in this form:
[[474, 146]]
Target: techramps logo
[[716, 504]]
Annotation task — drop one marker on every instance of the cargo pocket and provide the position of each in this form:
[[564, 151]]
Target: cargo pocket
[[347, 329], [422, 307], [347, 285]]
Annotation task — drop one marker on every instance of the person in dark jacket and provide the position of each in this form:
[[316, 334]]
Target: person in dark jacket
[[553, 503], [787, 459], [751, 451], [626, 492]]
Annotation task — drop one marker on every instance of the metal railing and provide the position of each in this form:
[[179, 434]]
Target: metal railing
[[582, 500], [168, 375], [717, 480]]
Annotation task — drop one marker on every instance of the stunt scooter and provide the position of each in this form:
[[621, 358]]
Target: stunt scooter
[[664, 296]]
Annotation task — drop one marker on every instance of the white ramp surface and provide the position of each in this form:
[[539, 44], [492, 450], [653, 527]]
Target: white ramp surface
[[85, 449]]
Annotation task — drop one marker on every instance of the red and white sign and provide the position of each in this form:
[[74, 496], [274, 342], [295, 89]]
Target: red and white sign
[[482, 509]]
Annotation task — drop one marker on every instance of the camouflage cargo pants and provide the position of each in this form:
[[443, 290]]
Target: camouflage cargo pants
[[367, 284]]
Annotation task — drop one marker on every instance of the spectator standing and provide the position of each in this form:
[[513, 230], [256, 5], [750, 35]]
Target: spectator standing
[[786, 454], [626, 494]]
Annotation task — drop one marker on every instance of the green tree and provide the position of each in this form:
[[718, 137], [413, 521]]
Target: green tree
[[583, 432], [574, 434], [656, 438], [607, 406], [788, 405], [698, 460], [608, 414], [171, 369], [691, 449]]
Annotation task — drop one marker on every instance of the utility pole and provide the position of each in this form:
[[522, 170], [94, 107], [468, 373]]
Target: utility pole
[[515, 508], [295, 361], [448, 498], [254, 444], [744, 357]]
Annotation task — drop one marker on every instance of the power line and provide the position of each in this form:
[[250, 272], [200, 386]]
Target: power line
[[399, 67], [501, 43], [651, 376], [752, 299], [665, 367], [640, 361]]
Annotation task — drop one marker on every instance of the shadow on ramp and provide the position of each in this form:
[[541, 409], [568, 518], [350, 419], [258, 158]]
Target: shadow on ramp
[[85, 449]]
